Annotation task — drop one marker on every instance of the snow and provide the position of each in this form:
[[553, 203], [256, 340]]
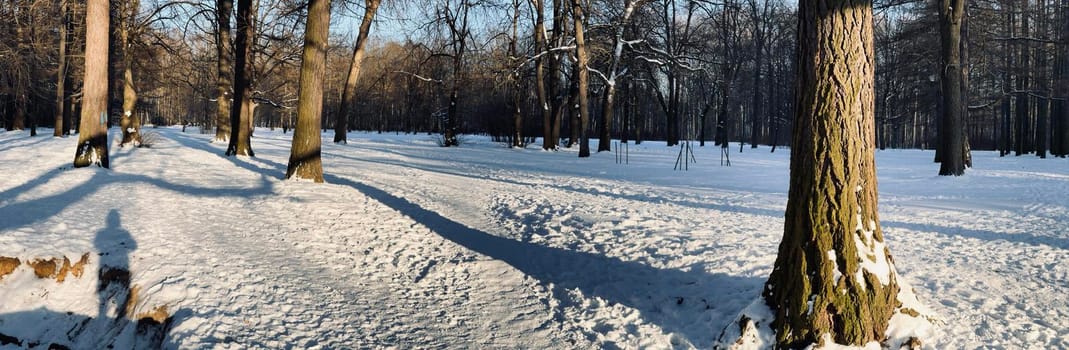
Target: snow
[[411, 245]]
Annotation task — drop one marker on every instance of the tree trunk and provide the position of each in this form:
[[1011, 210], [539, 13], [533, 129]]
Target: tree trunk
[[1061, 87], [341, 125], [305, 161], [517, 88], [833, 275], [225, 66], [952, 159], [584, 104], [542, 48], [241, 110], [61, 75], [93, 139], [128, 121]]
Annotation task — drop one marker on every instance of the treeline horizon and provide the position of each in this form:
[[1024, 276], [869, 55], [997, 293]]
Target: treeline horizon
[[668, 70]]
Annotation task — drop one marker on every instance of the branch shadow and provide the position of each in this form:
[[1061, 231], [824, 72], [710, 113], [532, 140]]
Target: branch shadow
[[114, 326], [689, 304]]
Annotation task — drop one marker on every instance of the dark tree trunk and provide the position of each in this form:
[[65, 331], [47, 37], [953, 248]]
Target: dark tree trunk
[[242, 109], [341, 124], [93, 139], [305, 161], [951, 132]]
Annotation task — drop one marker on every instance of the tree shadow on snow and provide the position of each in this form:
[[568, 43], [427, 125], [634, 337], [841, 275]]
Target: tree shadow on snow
[[25, 213], [1031, 239], [693, 305], [114, 326]]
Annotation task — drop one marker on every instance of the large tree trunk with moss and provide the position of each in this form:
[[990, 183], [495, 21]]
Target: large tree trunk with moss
[[93, 139], [952, 157], [305, 161], [833, 276], [341, 125], [225, 66], [241, 110]]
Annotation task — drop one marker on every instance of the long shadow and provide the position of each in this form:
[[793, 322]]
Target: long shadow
[[692, 304], [202, 145], [34, 140], [113, 327], [32, 211], [591, 191], [1055, 242]]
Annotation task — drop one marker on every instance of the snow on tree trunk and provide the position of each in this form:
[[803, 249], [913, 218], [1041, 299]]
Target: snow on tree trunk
[[93, 138], [225, 68], [834, 279]]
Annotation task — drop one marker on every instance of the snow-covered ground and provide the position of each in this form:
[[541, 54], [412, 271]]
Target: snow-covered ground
[[410, 245]]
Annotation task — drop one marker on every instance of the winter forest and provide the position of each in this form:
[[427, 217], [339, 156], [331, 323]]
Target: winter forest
[[543, 174]]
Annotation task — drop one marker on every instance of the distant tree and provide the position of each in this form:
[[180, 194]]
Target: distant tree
[[341, 125], [93, 140], [241, 111]]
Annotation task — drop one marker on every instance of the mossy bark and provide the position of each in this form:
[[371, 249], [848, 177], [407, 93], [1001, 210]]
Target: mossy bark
[[833, 275]]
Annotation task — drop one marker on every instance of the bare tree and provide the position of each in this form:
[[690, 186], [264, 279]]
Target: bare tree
[[341, 125]]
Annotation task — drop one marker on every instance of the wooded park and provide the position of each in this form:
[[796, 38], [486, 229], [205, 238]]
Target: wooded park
[[833, 81]]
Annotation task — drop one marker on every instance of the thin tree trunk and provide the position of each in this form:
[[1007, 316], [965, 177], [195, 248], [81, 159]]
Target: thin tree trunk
[[242, 109], [541, 47], [61, 74], [578, 16], [341, 125], [92, 146], [305, 161]]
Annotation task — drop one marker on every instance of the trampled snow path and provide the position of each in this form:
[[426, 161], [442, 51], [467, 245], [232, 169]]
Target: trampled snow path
[[412, 245]]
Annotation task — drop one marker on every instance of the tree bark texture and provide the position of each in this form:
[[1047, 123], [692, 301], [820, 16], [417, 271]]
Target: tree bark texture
[[951, 79], [241, 110], [578, 17], [833, 275], [341, 125], [93, 140], [225, 67], [305, 161]]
